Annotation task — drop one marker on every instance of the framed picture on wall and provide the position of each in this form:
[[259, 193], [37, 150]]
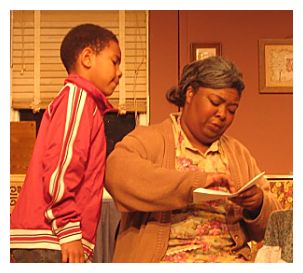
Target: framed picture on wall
[[275, 66], [201, 51]]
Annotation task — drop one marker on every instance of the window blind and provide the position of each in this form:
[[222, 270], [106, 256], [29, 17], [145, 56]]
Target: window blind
[[36, 69]]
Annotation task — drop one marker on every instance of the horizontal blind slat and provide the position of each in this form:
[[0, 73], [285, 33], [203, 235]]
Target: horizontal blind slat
[[54, 25]]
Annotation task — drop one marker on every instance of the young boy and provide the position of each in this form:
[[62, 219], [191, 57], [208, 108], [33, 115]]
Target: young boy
[[58, 210]]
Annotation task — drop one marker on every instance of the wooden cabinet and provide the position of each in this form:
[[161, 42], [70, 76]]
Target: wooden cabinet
[[22, 141]]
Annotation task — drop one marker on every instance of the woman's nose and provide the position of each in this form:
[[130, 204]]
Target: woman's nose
[[221, 113]]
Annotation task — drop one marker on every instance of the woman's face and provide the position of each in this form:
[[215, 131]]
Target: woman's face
[[207, 114]]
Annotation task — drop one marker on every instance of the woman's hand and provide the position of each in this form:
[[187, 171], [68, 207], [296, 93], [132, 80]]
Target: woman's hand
[[220, 180], [72, 252], [251, 200]]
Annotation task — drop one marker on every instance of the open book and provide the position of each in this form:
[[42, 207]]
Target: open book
[[202, 194]]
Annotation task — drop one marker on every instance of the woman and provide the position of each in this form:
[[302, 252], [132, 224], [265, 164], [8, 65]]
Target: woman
[[152, 173]]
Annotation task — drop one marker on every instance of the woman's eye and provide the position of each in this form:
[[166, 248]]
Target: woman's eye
[[232, 110], [215, 103]]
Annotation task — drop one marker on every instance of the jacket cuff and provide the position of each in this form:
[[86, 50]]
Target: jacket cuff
[[68, 233]]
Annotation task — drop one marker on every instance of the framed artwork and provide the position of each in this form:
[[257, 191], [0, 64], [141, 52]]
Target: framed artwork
[[275, 66], [201, 51]]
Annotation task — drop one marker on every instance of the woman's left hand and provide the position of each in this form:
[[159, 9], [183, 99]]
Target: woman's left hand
[[251, 199]]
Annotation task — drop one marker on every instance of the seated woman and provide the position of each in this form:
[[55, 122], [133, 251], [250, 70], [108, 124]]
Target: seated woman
[[152, 172]]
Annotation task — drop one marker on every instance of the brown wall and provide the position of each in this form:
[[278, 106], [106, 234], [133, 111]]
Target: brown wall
[[264, 121]]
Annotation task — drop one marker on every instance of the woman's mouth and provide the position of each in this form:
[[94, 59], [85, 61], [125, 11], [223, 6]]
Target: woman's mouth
[[215, 127]]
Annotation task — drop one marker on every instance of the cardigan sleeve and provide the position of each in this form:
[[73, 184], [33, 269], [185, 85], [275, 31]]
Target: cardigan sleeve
[[140, 174], [243, 168]]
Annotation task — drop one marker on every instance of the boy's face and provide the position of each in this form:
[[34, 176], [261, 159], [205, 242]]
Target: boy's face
[[104, 72]]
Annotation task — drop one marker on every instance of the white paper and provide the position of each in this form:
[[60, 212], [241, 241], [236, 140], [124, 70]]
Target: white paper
[[202, 194]]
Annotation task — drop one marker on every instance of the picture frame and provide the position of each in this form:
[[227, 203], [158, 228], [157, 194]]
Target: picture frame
[[276, 66], [201, 51]]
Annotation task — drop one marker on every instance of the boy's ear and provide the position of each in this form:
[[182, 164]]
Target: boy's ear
[[86, 57]]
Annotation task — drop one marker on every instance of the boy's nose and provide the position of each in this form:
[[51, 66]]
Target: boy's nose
[[119, 73]]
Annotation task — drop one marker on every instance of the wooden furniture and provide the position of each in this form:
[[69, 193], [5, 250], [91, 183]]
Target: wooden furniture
[[22, 141]]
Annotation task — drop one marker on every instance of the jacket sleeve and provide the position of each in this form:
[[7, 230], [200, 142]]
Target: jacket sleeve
[[140, 179], [67, 149]]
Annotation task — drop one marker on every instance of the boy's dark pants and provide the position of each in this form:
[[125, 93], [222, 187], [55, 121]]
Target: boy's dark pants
[[35, 256]]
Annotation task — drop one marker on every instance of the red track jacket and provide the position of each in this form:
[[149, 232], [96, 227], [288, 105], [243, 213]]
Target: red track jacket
[[61, 197]]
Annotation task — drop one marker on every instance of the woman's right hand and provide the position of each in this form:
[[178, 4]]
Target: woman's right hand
[[220, 179]]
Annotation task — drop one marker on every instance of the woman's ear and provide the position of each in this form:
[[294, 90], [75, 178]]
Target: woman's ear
[[189, 94], [86, 57]]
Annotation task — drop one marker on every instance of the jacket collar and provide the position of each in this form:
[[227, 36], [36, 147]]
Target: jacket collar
[[100, 99]]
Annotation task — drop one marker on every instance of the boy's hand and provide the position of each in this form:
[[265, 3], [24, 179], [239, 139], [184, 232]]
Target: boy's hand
[[72, 252]]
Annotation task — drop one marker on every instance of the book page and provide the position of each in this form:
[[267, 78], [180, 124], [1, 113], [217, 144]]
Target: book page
[[202, 194]]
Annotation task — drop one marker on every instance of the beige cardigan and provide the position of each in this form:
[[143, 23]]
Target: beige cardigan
[[141, 177]]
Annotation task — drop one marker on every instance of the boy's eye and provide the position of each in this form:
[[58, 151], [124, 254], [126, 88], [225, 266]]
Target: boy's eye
[[116, 61]]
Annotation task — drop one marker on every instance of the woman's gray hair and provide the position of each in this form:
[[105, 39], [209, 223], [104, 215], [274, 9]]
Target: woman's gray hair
[[213, 72]]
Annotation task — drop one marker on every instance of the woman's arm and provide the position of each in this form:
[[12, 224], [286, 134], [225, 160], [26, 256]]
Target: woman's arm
[[141, 175]]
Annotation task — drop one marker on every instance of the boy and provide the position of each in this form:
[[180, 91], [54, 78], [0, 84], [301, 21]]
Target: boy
[[58, 210]]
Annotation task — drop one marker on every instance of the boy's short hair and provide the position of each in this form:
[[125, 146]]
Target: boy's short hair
[[79, 37]]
